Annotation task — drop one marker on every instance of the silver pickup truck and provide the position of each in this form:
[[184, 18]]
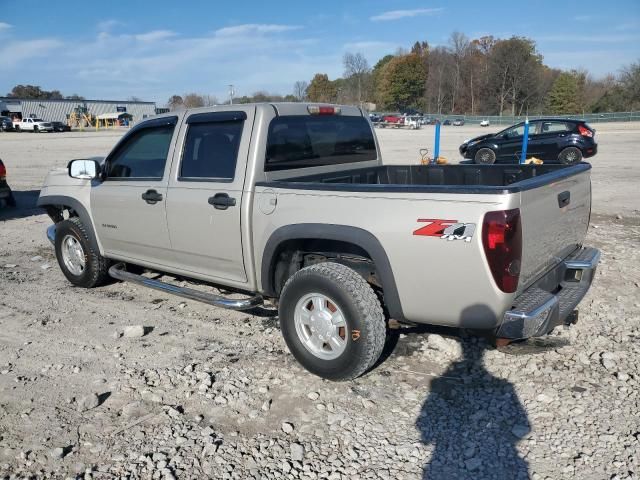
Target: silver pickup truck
[[292, 203]]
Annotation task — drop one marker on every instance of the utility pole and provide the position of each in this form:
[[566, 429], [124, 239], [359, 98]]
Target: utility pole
[[232, 92]]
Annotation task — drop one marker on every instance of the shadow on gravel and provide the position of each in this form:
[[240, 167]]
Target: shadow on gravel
[[474, 421], [25, 205]]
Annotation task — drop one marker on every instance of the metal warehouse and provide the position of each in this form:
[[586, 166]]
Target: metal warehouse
[[61, 110]]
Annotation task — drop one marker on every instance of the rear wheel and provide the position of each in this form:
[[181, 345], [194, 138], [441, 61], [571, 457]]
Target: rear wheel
[[332, 321], [485, 156], [35, 129], [570, 155], [81, 263]]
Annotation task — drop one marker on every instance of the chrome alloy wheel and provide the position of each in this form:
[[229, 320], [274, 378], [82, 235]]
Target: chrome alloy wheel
[[321, 326], [73, 255]]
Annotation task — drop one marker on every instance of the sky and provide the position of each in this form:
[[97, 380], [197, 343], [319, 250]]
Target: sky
[[154, 49]]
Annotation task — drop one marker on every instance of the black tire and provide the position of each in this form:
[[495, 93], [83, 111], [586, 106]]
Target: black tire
[[570, 156], [96, 267], [365, 330], [35, 129], [485, 156], [17, 128], [11, 200]]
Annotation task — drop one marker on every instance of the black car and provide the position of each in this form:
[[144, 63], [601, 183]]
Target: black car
[[446, 122], [60, 127], [6, 125], [6, 196], [550, 139]]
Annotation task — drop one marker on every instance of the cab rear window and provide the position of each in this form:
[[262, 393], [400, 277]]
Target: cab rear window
[[313, 141]]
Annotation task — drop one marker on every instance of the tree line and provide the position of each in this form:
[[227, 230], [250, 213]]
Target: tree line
[[485, 76]]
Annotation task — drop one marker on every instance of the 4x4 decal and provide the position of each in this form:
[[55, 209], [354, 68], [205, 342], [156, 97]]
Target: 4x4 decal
[[446, 229]]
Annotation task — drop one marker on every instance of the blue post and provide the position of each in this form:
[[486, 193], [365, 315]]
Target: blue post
[[436, 150], [525, 141]]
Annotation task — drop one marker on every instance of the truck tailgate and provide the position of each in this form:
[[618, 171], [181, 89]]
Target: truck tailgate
[[555, 218]]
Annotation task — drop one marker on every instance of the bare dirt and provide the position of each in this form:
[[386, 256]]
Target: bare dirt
[[206, 392]]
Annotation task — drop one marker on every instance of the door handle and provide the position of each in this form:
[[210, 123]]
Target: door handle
[[222, 201], [152, 197], [564, 199]]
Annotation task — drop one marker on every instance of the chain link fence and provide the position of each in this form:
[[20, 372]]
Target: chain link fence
[[510, 120]]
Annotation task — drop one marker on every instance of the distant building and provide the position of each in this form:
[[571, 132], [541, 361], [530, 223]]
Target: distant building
[[61, 110]]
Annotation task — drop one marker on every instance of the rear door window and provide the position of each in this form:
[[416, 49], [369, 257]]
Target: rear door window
[[313, 141], [211, 150], [552, 127]]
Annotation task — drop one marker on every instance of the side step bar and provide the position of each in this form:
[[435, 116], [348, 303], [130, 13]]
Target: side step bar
[[119, 272]]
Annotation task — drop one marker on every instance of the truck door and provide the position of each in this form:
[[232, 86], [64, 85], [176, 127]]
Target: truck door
[[206, 191], [129, 205]]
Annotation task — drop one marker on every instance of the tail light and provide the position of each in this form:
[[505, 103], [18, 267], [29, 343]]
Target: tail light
[[3, 171], [323, 110], [584, 131], [502, 241]]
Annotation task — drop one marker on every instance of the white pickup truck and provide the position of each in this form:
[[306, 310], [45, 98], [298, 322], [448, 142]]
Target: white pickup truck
[[32, 125], [292, 203]]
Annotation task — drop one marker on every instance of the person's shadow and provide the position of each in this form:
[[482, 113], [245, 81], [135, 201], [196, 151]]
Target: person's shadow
[[473, 420]]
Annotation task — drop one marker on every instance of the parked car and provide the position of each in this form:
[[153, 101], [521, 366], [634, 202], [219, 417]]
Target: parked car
[[6, 125], [60, 127], [446, 122], [6, 195], [550, 139], [375, 118], [458, 122], [33, 125], [393, 120], [484, 123], [412, 122], [298, 208]]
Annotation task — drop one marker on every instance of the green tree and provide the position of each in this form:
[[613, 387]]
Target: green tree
[[564, 97], [321, 89], [35, 92], [376, 74], [402, 82]]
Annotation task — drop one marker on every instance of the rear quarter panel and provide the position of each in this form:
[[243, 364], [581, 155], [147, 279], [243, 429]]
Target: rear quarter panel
[[439, 281]]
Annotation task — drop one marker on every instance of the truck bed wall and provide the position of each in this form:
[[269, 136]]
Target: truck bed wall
[[438, 175]]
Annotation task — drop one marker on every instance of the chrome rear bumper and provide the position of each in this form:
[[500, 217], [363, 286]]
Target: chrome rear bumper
[[549, 301]]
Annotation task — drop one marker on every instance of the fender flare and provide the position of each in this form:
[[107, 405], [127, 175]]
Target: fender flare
[[344, 233], [83, 214]]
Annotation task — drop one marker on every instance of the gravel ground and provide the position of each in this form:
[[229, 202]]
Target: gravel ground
[[199, 392]]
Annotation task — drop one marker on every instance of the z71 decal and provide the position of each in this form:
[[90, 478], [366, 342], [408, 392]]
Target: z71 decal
[[446, 229]]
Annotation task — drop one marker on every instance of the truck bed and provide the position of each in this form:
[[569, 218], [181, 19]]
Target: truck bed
[[463, 178]]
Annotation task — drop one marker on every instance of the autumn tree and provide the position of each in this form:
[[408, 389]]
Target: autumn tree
[[193, 100], [175, 102], [321, 89], [402, 82]]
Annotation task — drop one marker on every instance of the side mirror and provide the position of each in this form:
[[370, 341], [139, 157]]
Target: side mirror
[[84, 169]]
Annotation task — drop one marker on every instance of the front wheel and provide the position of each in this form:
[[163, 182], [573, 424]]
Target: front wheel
[[80, 262], [485, 156], [332, 321], [570, 156]]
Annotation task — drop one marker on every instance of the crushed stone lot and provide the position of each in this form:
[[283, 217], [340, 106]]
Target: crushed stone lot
[[126, 382]]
